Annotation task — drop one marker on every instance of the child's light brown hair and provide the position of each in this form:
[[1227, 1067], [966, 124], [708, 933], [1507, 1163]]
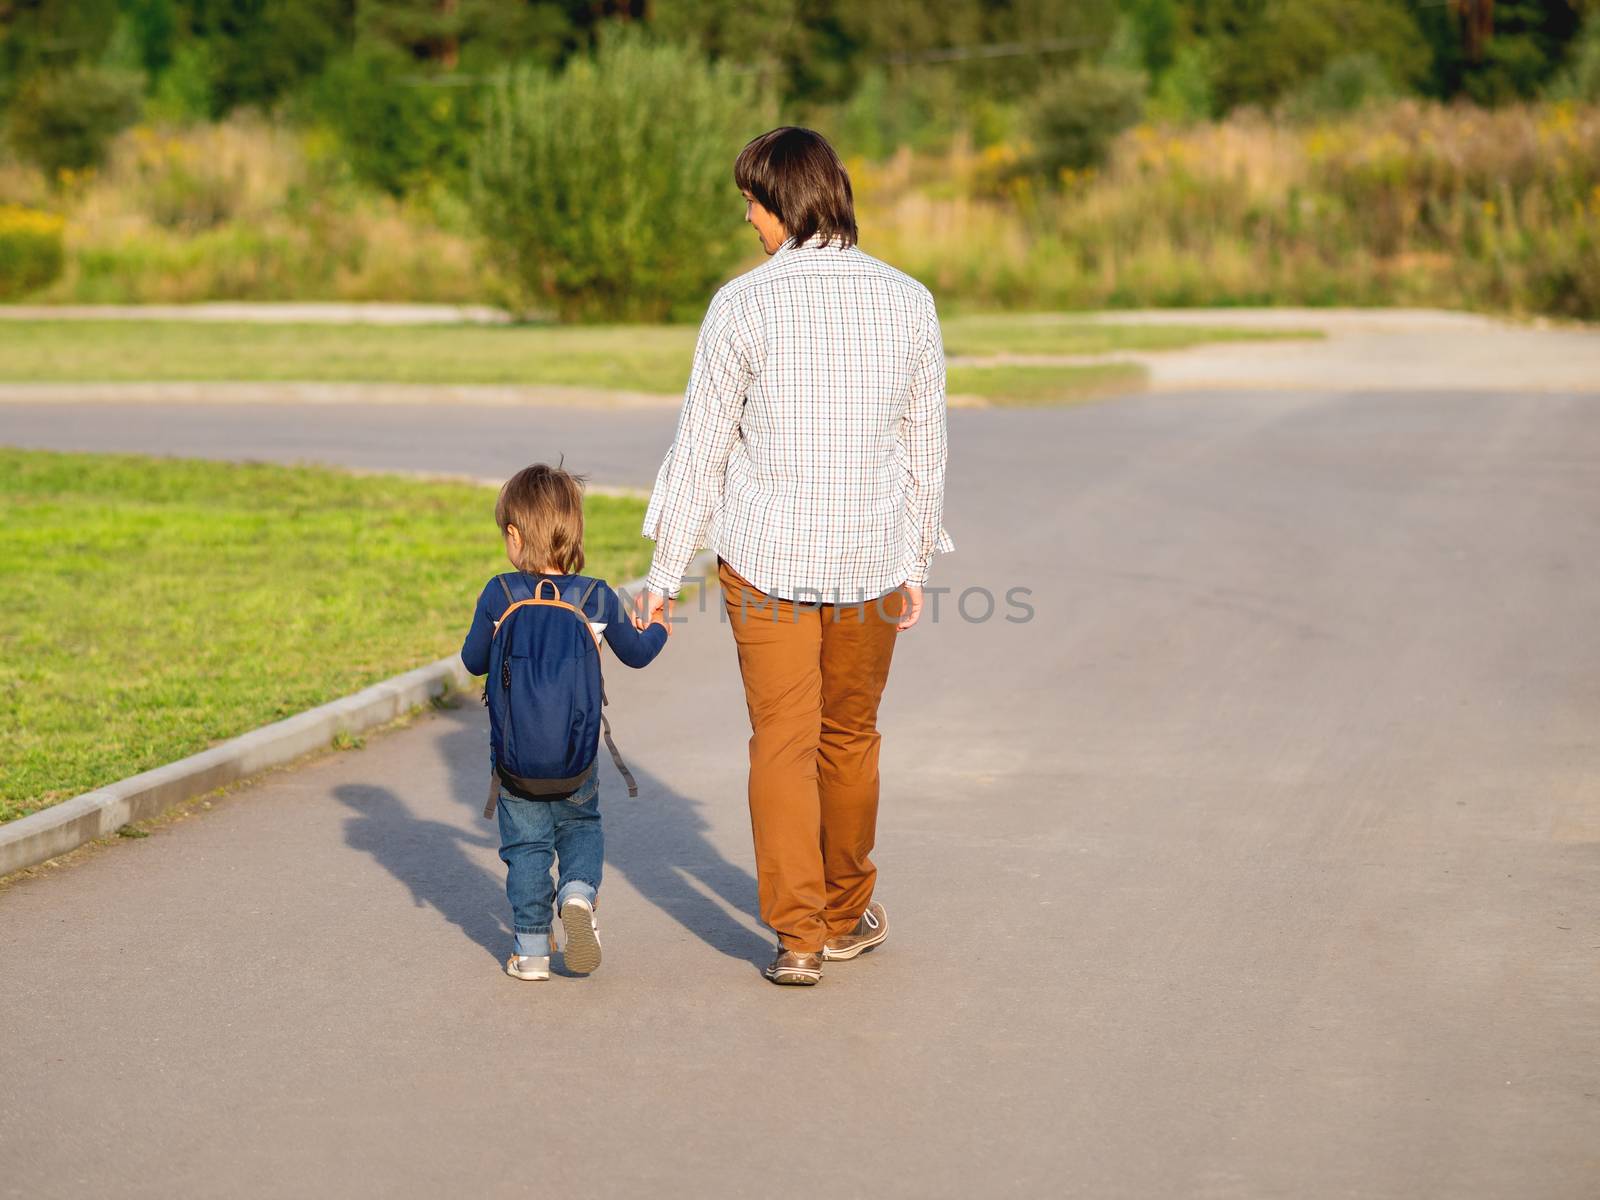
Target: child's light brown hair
[[545, 504]]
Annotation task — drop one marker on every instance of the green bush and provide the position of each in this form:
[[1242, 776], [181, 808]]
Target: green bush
[[607, 191], [396, 131], [1074, 119], [65, 121], [183, 93], [1345, 85], [31, 253], [1268, 48], [1183, 94], [1581, 79]]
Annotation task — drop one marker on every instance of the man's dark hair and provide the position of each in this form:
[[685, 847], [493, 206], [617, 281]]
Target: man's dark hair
[[798, 178]]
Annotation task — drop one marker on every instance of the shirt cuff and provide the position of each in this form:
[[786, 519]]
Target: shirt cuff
[[663, 583]]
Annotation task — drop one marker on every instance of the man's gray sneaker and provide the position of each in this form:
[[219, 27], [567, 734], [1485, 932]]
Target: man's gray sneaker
[[582, 951], [793, 967], [869, 931]]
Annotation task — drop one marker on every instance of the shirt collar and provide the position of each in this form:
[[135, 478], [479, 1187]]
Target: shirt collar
[[815, 242]]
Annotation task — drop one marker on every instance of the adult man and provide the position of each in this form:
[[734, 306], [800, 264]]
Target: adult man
[[810, 455]]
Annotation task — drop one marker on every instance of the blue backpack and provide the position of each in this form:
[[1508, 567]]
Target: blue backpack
[[545, 695]]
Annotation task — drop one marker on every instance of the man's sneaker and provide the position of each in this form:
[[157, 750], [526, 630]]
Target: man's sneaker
[[582, 952], [792, 967], [525, 966], [869, 931]]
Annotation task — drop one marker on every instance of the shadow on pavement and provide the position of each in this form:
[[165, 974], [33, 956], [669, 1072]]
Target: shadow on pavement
[[430, 858], [658, 842]]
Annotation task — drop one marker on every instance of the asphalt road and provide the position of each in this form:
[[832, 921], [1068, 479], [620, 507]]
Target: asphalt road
[[623, 447], [1261, 862]]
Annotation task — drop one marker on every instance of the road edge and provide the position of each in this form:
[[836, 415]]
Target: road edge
[[41, 836]]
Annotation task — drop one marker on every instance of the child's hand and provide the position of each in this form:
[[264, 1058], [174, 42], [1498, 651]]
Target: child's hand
[[651, 609]]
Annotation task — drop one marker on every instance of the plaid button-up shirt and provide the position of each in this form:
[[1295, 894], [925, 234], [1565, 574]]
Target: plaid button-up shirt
[[811, 450]]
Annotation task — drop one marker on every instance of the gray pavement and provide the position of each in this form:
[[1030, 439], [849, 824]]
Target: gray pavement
[[1261, 862], [612, 448]]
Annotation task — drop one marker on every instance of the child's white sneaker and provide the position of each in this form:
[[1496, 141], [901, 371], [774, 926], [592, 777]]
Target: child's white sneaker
[[582, 953], [526, 966]]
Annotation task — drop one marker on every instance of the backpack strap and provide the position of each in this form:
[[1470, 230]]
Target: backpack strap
[[494, 793], [605, 728], [583, 600], [506, 588]]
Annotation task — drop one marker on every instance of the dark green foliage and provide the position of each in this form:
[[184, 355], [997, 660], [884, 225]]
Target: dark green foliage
[[1266, 49], [1525, 50], [1580, 80], [884, 72], [399, 128], [65, 120], [154, 26], [1074, 118], [606, 191], [42, 36], [1151, 27], [1343, 86], [475, 35], [259, 50]]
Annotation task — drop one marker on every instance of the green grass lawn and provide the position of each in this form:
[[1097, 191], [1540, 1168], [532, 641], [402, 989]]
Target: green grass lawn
[[650, 358], [154, 607], [1031, 387]]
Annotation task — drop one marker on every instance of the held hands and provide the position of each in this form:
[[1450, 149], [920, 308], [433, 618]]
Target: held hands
[[651, 609]]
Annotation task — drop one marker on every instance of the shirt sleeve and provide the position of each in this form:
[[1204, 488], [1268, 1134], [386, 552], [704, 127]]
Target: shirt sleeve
[[926, 439], [633, 647], [690, 483], [475, 650]]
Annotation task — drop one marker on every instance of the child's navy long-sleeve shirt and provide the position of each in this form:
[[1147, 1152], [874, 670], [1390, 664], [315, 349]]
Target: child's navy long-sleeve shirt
[[632, 647]]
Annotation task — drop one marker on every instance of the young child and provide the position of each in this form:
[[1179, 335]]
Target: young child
[[540, 515]]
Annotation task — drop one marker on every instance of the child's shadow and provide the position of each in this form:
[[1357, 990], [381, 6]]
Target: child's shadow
[[430, 858], [657, 842]]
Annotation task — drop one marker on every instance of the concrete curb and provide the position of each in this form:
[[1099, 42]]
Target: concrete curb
[[68, 825], [31, 840]]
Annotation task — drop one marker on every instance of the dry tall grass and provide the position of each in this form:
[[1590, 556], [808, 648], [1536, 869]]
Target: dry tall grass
[[1409, 204], [1415, 203], [241, 210]]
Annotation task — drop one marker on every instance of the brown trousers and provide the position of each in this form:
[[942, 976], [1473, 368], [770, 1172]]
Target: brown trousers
[[813, 676]]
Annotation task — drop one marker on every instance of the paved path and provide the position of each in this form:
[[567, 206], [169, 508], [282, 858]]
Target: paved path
[[1379, 351], [620, 448], [1263, 862]]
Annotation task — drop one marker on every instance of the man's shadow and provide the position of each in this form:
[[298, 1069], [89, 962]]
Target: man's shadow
[[658, 842]]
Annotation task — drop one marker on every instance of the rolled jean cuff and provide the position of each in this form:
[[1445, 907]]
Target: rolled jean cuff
[[576, 887], [533, 943]]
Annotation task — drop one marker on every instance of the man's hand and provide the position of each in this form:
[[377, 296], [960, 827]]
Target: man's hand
[[913, 608], [648, 608]]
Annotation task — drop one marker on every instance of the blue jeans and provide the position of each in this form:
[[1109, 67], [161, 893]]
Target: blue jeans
[[535, 833]]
